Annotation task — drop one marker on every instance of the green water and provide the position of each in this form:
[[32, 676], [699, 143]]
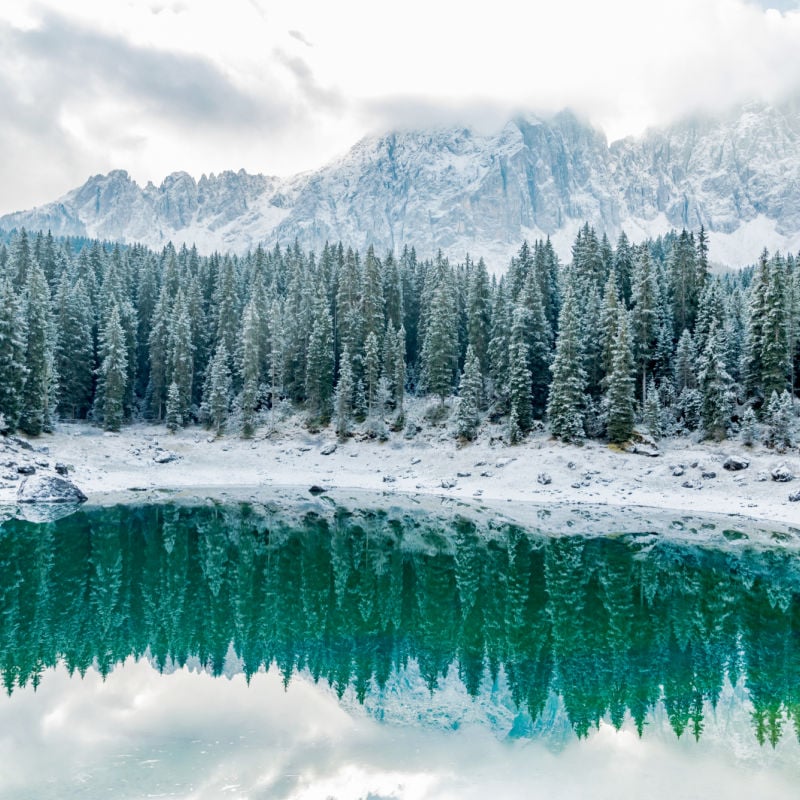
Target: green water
[[528, 635]]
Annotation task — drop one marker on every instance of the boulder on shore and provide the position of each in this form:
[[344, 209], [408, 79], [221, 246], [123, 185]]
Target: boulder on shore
[[782, 474], [49, 489], [735, 463]]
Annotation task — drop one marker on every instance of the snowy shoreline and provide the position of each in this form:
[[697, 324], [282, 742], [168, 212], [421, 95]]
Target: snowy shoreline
[[123, 467]]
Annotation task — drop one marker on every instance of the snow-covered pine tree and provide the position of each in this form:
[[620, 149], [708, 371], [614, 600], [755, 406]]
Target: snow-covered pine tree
[[173, 418], [644, 318], [519, 375], [620, 395], [439, 353], [609, 322], [343, 397], [250, 367], [400, 369], [74, 351], [775, 341], [158, 341], [566, 404], [652, 414], [113, 372], [479, 314], [13, 339], [40, 386], [180, 356], [538, 338], [320, 363], [715, 386], [749, 431], [778, 431], [499, 341], [217, 393], [470, 388], [372, 370]]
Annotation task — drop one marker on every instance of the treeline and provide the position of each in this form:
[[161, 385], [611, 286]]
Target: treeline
[[612, 627], [621, 335]]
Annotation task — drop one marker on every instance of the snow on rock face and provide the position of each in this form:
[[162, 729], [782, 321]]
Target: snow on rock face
[[49, 489], [460, 191]]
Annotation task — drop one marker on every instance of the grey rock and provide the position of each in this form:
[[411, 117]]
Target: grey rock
[[782, 474], [389, 479], [165, 457], [328, 449], [678, 471], [49, 489], [463, 474], [26, 469], [709, 475], [315, 489], [61, 469], [544, 479], [794, 497], [762, 476], [735, 463], [21, 443], [448, 483]]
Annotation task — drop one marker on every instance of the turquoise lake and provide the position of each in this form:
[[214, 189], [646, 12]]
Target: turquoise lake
[[266, 651]]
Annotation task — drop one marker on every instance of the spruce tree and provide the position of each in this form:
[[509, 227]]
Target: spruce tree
[[566, 405], [470, 388], [479, 314], [778, 432], [749, 432], [180, 355], [439, 351], [250, 367], [343, 398], [320, 363], [652, 411], [113, 372], [621, 387], [519, 376], [372, 370], [74, 351], [13, 341], [174, 418], [714, 384], [40, 386], [217, 394]]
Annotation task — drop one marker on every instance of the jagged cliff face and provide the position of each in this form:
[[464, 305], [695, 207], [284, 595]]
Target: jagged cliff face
[[460, 191]]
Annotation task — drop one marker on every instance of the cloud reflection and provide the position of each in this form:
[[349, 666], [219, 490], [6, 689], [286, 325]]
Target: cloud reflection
[[189, 735]]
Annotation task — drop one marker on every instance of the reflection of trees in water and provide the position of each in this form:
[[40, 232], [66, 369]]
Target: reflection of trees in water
[[611, 627]]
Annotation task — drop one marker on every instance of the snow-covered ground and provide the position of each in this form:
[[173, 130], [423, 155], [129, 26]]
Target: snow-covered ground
[[488, 472]]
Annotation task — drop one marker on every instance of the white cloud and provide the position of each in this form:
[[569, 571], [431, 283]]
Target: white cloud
[[277, 105]]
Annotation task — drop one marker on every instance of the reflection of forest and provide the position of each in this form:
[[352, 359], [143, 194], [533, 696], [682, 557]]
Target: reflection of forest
[[606, 624]]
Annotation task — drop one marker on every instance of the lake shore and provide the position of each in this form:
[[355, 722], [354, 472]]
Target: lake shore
[[686, 476]]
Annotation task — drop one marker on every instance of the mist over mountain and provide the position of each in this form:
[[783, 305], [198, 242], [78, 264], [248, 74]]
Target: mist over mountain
[[463, 191]]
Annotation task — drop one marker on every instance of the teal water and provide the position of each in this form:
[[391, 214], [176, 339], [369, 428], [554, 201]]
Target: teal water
[[406, 625]]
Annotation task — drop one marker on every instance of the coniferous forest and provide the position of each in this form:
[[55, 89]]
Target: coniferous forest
[[623, 335]]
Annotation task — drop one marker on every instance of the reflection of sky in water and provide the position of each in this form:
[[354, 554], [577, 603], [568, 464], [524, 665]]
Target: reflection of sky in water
[[188, 735]]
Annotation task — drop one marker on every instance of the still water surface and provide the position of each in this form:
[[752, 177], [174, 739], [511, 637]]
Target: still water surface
[[260, 652]]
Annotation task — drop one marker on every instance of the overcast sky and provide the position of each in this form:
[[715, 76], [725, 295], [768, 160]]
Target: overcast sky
[[161, 85]]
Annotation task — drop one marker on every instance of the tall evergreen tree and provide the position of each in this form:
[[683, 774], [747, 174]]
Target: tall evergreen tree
[[439, 351], [40, 386], [113, 372], [519, 388], [620, 395], [217, 394], [250, 367], [469, 391], [715, 387], [320, 362], [13, 341], [343, 399], [567, 402]]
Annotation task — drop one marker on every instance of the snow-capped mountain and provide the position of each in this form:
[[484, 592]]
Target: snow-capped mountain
[[463, 191]]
